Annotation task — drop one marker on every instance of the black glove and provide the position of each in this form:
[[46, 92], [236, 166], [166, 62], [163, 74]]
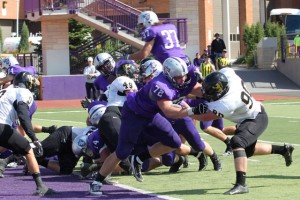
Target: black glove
[[85, 103], [49, 129], [200, 109], [38, 150]]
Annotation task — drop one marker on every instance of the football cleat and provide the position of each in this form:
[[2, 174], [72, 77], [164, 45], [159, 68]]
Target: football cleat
[[228, 151], [95, 188], [185, 162], [217, 163], [44, 191], [177, 166], [3, 165], [237, 189], [202, 161], [136, 169], [288, 154]]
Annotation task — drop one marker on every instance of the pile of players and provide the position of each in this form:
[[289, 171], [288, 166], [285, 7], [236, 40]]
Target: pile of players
[[144, 117]]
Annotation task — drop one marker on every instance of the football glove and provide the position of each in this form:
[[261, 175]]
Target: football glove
[[38, 150], [200, 109]]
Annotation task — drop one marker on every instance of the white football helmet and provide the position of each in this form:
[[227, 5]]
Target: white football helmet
[[150, 68], [79, 145], [95, 113], [9, 61], [175, 67], [104, 63], [147, 18]]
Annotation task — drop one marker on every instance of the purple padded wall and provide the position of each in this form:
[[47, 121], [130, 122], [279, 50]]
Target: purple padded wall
[[63, 87]]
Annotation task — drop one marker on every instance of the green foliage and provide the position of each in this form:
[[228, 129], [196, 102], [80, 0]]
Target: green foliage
[[252, 35], [24, 45], [275, 30], [1, 40], [78, 34]]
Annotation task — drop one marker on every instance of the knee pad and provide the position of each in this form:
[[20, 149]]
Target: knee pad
[[236, 142], [239, 154]]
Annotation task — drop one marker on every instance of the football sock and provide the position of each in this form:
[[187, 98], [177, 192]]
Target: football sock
[[241, 178], [278, 149]]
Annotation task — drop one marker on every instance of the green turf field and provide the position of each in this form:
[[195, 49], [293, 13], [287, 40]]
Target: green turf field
[[267, 176]]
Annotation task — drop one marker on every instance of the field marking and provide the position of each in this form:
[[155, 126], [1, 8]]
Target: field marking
[[56, 112], [283, 103], [146, 192], [55, 120]]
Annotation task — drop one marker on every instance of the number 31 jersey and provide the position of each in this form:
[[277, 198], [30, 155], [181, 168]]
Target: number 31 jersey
[[237, 104]]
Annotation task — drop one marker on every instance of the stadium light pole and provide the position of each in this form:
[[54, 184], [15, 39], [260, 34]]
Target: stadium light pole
[[17, 28]]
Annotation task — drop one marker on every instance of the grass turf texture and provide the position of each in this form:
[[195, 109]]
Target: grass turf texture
[[267, 176]]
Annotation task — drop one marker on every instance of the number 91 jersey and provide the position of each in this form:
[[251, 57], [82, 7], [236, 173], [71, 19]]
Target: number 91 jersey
[[237, 104], [10, 96]]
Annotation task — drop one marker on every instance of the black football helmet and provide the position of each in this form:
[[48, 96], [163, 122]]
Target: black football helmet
[[24, 80], [128, 69], [214, 86]]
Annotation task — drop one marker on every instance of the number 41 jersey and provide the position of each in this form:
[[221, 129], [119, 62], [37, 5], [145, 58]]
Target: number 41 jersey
[[237, 104]]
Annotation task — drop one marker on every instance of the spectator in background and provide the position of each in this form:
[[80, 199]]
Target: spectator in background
[[297, 44], [204, 54], [217, 46], [197, 61], [223, 61], [207, 67], [90, 73]]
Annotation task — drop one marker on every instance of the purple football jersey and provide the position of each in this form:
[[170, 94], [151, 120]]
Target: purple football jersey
[[144, 101], [101, 83], [166, 42]]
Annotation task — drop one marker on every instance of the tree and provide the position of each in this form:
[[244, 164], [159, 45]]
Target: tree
[[252, 35], [24, 45]]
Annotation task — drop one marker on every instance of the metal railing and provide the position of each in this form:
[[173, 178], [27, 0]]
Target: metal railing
[[287, 47], [118, 14]]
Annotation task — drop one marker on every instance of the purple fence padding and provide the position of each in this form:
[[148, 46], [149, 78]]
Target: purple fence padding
[[16, 186], [63, 87]]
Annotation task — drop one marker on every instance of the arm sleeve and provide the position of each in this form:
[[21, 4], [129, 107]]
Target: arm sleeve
[[23, 114]]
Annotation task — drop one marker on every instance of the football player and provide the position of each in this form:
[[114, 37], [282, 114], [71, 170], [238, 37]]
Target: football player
[[160, 39], [143, 108], [228, 98], [14, 104]]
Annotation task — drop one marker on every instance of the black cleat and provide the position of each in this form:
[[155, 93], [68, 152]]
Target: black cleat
[[237, 189], [228, 150], [185, 162], [136, 169], [3, 165], [216, 162], [44, 191], [288, 154], [177, 166], [202, 161]]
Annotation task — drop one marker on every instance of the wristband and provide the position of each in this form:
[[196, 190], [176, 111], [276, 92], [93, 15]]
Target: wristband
[[190, 111]]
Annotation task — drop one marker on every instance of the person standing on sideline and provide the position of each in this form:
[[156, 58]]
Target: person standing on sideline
[[223, 61], [160, 39], [228, 98], [297, 44], [217, 46], [90, 73]]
